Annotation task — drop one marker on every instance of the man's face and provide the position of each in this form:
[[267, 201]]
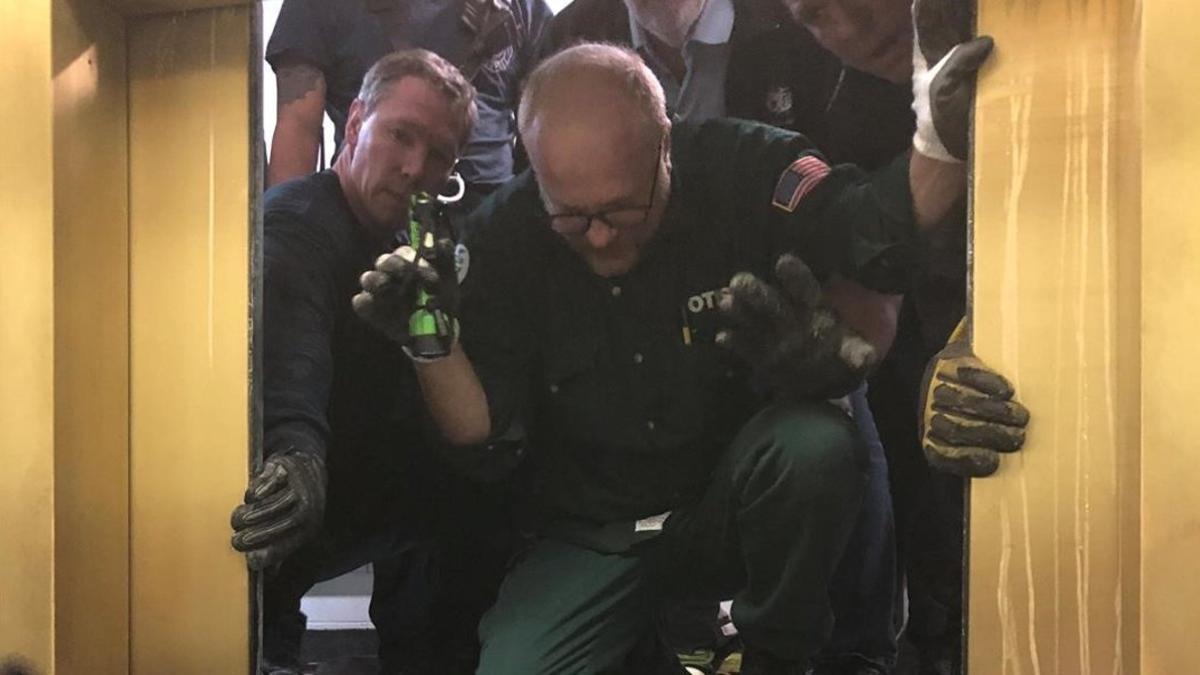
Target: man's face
[[668, 20], [874, 36], [409, 142], [581, 174]]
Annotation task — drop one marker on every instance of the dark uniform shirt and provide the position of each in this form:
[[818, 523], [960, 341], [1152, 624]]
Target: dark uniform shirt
[[776, 74], [332, 384], [627, 413], [344, 38]]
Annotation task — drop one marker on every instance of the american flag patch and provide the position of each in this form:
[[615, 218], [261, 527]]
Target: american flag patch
[[797, 181]]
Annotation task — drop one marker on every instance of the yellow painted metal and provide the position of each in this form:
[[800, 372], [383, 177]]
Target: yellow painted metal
[[189, 244], [91, 339], [146, 7], [1170, 608], [26, 334], [1054, 541]]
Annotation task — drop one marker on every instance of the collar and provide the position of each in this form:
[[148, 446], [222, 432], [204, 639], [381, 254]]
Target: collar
[[714, 26]]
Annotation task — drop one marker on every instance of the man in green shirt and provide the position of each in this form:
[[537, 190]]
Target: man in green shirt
[[642, 302]]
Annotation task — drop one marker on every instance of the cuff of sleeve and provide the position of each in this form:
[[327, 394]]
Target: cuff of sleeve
[[293, 437]]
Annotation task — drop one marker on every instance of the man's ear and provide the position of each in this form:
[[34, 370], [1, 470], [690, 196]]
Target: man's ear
[[354, 123], [666, 149]]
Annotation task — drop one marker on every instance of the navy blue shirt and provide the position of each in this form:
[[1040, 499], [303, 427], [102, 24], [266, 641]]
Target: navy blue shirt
[[627, 400], [332, 384], [344, 38]]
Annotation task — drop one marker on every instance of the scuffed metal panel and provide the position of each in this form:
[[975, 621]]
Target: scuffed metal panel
[[190, 233], [1054, 557], [27, 335], [1170, 518], [91, 290], [146, 7]]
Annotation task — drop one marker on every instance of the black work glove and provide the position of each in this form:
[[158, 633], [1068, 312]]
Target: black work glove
[[795, 344], [945, 61], [968, 415], [390, 291], [284, 507]]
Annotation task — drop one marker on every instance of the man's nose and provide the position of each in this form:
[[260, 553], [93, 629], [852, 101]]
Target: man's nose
[[415, 161], [600, 234]]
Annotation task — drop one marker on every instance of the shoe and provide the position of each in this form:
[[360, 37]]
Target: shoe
[[281, 669], [698, 661], [937, 666], [853, 666], [759, 662]]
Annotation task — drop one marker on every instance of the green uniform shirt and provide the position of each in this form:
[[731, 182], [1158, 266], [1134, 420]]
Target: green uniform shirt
[[626, 400]]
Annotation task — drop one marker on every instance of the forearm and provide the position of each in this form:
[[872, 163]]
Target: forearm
[[872, 315], [455, 398], [936, 188], [300, 113], [293, 150]]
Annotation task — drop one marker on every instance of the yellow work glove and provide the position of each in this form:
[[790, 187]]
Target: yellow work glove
[[968, 416]]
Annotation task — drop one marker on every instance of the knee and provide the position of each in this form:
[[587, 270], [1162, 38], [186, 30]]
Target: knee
[[813, 446], [514, 647]]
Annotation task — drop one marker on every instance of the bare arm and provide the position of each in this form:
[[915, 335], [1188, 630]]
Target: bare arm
[[301, 109], [873, 315], [455, 398], [936, 188]]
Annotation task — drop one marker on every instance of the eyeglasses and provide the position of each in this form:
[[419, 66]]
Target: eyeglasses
[[577, 224]]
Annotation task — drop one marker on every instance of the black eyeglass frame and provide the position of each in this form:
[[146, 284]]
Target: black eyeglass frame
[[603, 216]]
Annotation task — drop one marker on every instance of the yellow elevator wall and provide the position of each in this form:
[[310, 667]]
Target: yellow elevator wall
[[1170, 540], [26, 334], [189, 245], [91, 290], [1054, 556]]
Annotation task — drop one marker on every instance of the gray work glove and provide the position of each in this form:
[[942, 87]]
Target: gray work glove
[[942, 91], [284, 507], [968, 416], [795, 343], [391, 291]]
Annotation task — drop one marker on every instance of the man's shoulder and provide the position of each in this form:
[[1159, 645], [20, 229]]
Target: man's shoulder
[[718, 138], [587, 21], [309, 209], [299, 196], [511, 210]]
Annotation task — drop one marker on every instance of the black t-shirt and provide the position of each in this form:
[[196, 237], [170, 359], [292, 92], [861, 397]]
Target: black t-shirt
[[332, 384], [626, 410], [344, 38]]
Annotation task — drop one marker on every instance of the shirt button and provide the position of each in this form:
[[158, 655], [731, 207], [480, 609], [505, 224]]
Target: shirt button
[[554, 389], [650, 425], [638, 358], [616, 291]]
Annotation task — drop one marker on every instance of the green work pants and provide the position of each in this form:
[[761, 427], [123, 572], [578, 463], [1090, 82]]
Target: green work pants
[[768, 531]]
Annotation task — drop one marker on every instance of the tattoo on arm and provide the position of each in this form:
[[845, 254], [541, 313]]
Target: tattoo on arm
[[296, 81]]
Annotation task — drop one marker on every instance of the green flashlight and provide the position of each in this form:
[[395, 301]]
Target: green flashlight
[[430, 331]]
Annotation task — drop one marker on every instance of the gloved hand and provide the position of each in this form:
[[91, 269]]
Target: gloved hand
[[284, 507], [794, 343], [390, 291], [968, 415], [942, 92]]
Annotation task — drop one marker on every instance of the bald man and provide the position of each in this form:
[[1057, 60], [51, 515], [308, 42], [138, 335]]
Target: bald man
[[642, 301]]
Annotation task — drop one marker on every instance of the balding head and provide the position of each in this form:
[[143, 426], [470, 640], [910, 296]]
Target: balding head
[[604, 89], [594, 122]]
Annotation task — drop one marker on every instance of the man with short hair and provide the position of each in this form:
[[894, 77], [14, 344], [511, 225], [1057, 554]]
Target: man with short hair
[[594, 310], [739, 58], [349, 476], [872, 111], [320, 50]]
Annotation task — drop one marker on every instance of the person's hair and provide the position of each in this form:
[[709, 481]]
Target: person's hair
[[619, 63], [433, 69]]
